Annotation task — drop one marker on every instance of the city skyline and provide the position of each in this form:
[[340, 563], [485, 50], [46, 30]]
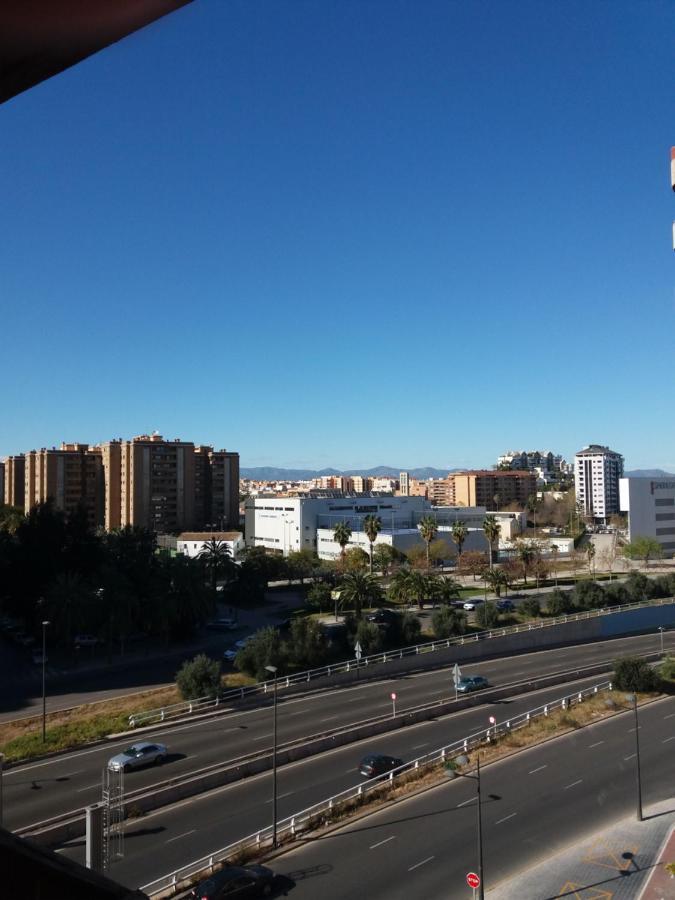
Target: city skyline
[[324, 236]]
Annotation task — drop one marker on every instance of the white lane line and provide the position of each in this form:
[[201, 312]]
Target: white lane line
[[179, 836], [574, 783], [632, 756], [665, 740], [89, 787], [385, 841], [538, 769], [419, 746], [464, 803], [328, 719], [596, 744], [505, 819], [424, 862], [263, 737], [669, 716], [280, 797]]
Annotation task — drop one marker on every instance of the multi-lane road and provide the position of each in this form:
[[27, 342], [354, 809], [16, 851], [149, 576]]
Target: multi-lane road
[[534, 804], [40, 790]]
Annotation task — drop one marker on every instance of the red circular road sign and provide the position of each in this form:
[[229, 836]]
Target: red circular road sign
[[472, 880], [393, 696]]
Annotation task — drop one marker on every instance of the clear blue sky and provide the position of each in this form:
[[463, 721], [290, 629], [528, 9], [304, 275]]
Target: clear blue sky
[[349, 233]]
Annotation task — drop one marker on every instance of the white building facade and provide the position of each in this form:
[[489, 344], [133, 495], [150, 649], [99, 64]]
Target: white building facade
[[650, 504], [597, 471], [191, 543]]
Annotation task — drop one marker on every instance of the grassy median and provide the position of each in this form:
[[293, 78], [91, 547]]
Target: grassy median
[[67, 729]]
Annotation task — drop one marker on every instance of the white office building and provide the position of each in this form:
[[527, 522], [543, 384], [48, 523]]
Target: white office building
[[192, 543], [597, 471], [286, 524], [650, 504]]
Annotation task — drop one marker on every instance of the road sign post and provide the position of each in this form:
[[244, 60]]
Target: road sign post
[[493, 724], [473, 881], [456, 675], [393, 702], [357, 654]]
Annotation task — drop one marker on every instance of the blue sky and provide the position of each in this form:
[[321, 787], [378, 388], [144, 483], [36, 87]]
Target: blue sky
[[349, 233]]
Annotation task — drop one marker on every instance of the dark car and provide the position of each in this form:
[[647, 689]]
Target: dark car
[[235, 881], [383, 617], [472, 683], [505, 606], [378, 764]]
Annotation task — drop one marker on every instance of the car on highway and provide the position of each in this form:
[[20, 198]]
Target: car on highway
[[505, 606], [470, 683], [235, 881], [222, 624], [85, 640], [472, 604], [138, 755], [378, 764]]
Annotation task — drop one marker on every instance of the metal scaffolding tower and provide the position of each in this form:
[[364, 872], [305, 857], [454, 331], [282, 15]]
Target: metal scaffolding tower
[[113, 816]]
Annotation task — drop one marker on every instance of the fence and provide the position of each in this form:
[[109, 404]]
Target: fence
[[151, 717], [313, 815]]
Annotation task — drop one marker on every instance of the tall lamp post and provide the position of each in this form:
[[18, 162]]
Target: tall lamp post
[[479, 823], [44, 693], [638, 782], [273, 670], [661, 630]]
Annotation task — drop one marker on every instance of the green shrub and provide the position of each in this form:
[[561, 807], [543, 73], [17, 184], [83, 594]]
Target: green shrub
[[559, 602], [530, 607], [487, 615], [631, 673], [264, 648], [199, 677], [446, 622]]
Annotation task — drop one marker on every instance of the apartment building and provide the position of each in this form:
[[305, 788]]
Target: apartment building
[[2, 482], [524, 460], [597, 471], [490, 487], [650, 504], [71, 476], [15, 487]]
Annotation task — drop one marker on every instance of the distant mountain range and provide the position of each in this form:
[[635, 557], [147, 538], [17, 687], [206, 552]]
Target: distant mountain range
[[271, 473], [649, 473]]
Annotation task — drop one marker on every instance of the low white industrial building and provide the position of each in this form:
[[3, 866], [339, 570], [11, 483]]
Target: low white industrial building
[[191, 543], [650, 504], [287, 524]]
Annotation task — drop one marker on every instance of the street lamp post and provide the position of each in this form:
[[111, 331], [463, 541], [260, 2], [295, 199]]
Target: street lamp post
[[273, 670], [638, 781], [44, 692], [481, 887], [661, 630]]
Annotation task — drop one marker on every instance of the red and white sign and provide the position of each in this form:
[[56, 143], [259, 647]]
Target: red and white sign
[[472, 880], [493, 721], [393, 696]]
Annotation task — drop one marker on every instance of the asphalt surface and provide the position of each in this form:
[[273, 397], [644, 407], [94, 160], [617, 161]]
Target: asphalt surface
[[534, 804], [171, 837], [40, 790]]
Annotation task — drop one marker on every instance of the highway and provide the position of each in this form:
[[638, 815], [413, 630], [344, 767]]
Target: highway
[[175, 835], [42, 789], [548, 797]]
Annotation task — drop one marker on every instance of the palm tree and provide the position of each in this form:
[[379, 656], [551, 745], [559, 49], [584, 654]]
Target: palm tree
[[427, 528], [526, 555], [372, 525], [215, 555], [341, 535], [492, 530], [459, 534], [497, 580], [420, 586], [590, 553], [555, 552], [398, 586], [448, 589], [358, 590]]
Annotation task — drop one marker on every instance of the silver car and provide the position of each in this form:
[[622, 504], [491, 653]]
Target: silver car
[[141, 754]]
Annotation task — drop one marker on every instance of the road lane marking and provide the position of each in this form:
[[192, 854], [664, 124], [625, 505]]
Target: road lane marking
[[280, 797], [596, 744], [665, 740], [464, 803], [505, 819], [669, 716], [538, 769], [574, 783], [632, 756], [328, 719], [179, 836], [424, 862], [385, 841], [89, 787], [419, 746]]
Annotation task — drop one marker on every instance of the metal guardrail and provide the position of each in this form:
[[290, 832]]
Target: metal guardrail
[[203, 704], [310, 817]]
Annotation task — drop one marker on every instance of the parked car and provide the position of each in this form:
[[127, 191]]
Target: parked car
[[505, 606], [235, 881], [242, 642], [230, 654], [383, 617], [85, 640], [223, 624], [377, 764], [138, 755], [470, 683], [472, 604]]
